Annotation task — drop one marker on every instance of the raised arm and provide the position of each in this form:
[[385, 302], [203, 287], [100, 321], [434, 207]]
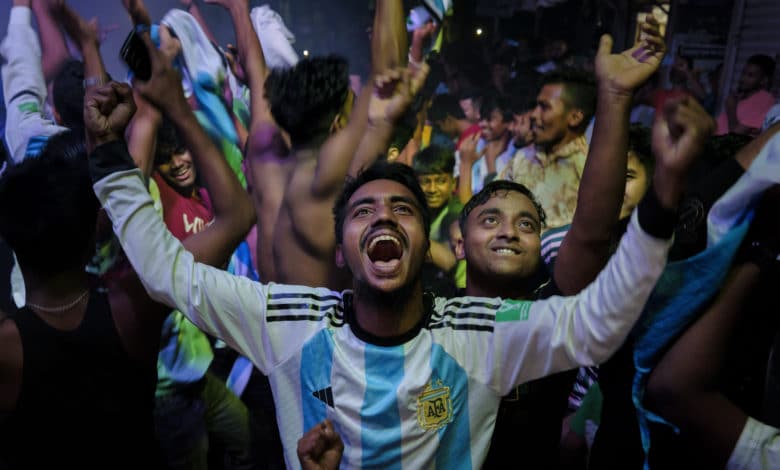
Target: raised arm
[[85, 34], [233, 211], [53, 46], [683, 386], [267, 149], [361, 141], [586, 247], [193, 9]]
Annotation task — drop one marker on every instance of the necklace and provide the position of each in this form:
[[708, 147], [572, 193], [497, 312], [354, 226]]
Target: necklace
[[60, 308]]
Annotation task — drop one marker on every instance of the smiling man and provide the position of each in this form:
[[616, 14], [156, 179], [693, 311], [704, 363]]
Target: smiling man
[[552, 169], [407, 380]]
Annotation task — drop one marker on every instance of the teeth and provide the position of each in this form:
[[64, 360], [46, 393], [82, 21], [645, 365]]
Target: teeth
[[383, 238], [505, 251]]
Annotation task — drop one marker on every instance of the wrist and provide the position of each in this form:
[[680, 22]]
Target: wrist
[[613, 94]]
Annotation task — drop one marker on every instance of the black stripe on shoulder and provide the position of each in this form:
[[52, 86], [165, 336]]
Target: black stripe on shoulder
[[463, 303], [462, 327], [303, 295]]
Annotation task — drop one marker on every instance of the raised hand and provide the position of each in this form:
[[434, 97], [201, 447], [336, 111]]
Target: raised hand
[[228, 3], [468, 149], [137, 11], [394, 91], [627, 71], [163, 89], [679, 135], [107, 111], [320, 448]]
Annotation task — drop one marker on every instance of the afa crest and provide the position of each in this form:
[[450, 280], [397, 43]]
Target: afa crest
[[434, 406]]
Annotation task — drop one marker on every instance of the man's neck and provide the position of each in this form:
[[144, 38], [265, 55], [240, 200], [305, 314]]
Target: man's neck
[[55, 289], [568, 138], [513, 289], [747, 94], [464, 125], [391, 315]]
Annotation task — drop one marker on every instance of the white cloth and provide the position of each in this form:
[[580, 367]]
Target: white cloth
[[275, 39]]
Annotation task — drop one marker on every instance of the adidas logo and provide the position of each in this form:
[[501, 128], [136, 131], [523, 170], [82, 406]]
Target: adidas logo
[[325, 395]]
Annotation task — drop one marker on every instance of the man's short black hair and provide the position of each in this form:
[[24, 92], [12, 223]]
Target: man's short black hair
[[68, 95], [489, 191], [305, 99], [579, 90], [434, 159], [765, 63], [380, 170], [495, 102], [639, 142], [48, 209], [445, 105], [169, 143]]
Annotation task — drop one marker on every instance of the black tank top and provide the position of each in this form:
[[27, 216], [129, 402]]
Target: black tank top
[[84, 403]]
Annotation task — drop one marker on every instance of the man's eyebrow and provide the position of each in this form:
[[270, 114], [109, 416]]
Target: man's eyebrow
[[489, 211], [529, 215], [407, 200], [361, 201]]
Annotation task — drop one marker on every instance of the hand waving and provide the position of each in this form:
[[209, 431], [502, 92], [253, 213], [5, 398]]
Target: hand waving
[[625, 72]]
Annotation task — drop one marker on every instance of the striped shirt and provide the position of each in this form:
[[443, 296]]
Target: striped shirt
[[428, 402]]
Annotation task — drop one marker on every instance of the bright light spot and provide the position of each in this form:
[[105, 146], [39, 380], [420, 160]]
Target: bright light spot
[[306, 53], [479, 31]]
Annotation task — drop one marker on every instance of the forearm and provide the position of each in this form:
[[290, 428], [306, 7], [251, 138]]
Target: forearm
[[53, 45], [389, 47], [194, 10], [691, 366], [141, 137], [464, 181], [252, 59], [229, 199], [375, 142], [599, 198]]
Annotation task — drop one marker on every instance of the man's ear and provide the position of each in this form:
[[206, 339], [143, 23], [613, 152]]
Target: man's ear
[[460, 249], [340, 257], [576, 116]]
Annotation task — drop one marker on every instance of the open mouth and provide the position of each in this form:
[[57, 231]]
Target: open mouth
[[181, 173], [384, 249]]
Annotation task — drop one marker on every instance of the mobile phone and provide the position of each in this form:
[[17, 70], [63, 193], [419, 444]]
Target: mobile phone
[[135, 55]]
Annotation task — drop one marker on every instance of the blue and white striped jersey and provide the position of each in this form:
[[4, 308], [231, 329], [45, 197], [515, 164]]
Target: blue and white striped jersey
[[429, 401]]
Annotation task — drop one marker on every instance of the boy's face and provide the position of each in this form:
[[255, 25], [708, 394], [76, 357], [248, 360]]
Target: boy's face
[[438, 188], [636, 185], [179, 171]]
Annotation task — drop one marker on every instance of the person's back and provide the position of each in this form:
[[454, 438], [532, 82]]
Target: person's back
[[303, 240], [310, 101], [78, 384], [78, 380]]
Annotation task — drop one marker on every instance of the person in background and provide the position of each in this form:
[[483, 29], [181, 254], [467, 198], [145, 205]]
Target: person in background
[[746, 107]]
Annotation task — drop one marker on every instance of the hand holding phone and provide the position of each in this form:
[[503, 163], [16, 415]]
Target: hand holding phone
[[135, 55]]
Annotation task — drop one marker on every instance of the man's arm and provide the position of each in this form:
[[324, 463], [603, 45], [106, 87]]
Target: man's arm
[[361, 141], [53, 45], [24, 87], [586, 247], [233, 211], [85, 35], [683, 386]]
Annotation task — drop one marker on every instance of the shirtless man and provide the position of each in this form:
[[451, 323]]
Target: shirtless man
[[303, 136]]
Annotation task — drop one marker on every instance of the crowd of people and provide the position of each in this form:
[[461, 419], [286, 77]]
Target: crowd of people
[[239, 258]]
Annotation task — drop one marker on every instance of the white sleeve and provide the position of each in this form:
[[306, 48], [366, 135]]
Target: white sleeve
[[229, 307], [533, 339], [24, 88], [758, 447]]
